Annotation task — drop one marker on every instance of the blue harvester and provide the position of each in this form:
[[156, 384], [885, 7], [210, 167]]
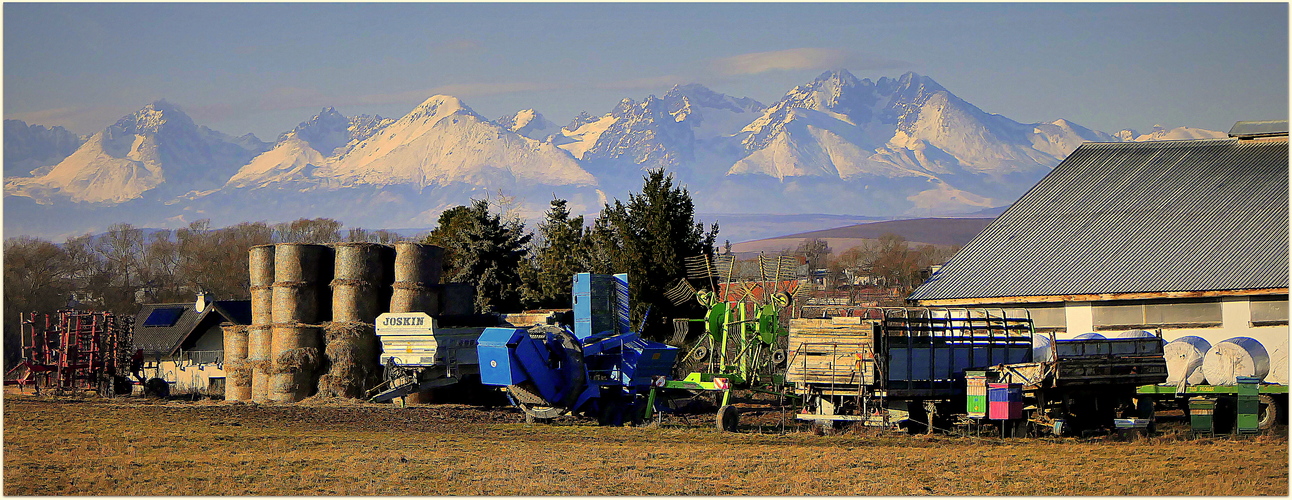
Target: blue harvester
[[601, 369]]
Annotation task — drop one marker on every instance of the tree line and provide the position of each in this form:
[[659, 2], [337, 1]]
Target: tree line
[[487, 245]]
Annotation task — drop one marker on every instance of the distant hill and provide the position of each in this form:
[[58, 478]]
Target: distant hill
[[945, 232]]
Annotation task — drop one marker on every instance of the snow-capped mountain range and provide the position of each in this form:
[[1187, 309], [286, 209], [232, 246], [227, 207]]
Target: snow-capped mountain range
[[837, 144]]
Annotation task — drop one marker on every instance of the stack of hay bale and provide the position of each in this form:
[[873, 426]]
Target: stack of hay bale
[[417, 276], [300, 300], [290, 351], [254, 371], [416, 288], [360, 290], [237, 385]]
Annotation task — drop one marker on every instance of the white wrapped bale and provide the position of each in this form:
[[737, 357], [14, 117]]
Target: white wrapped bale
[[1042, 347], [1278, 364], [1184, 360], [1088, 336], [1235, 357], [1131, 334]]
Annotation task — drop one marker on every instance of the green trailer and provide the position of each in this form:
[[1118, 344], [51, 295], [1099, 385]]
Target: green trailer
[[1244, 408]]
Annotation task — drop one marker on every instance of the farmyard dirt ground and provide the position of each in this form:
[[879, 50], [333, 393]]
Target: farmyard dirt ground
[[134, 446]]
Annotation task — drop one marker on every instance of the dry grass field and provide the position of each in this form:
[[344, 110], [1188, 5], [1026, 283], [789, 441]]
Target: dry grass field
[[132, 446]]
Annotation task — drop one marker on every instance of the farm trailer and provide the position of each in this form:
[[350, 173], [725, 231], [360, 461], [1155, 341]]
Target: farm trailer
[[1247, 407], [907, 366]]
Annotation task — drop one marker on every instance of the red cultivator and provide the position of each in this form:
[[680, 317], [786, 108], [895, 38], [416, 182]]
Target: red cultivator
[[73, 351]]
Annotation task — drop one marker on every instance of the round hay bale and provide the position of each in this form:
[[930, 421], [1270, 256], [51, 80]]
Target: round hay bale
[[259, 380], [300, 359], [410, 297], [362, 261], [300, 262], [290, 387], [261, 265], [262, 305], [237, 385], [354, 301], [259, 342], [288, 336], [353, 359], [235, 342], [418, 263], [295, 302]]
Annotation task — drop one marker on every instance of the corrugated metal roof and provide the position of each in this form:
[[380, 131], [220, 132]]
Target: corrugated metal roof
[[1259, 128], [1202, 215], [166, 339]]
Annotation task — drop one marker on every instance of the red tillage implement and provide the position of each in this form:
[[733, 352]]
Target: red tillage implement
[[73, 350]]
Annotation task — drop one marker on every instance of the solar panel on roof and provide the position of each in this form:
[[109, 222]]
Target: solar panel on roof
[[164, 316]]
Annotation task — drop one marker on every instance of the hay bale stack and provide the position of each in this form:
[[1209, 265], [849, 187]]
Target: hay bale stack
[[261, 270], [353, 357], [295, 357], [237, 385], [259, 342], [417, 271], [299, 272], [361, 284]]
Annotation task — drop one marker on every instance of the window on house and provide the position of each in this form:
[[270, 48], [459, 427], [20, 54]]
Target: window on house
[[1269, 310], [1144, 314]]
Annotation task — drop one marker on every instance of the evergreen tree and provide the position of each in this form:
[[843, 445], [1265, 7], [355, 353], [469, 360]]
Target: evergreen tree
[[558, 255], [484, 250], [648, 238]]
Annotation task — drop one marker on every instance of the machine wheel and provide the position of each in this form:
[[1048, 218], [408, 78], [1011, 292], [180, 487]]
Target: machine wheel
[[122, 385], [778, 356], [1269, 412], [728, 418], [157, 388], [537, 413]]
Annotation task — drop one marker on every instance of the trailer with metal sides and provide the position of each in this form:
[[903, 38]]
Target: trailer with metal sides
[[898, 366]]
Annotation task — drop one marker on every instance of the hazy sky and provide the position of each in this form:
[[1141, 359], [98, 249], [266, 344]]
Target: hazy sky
[[263, 68]]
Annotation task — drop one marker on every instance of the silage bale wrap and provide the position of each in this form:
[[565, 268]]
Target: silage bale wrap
[[1235, 357], [352, 355], [1184, 360]]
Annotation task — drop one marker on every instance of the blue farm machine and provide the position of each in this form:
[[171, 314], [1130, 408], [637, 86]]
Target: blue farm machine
[[600, 369]]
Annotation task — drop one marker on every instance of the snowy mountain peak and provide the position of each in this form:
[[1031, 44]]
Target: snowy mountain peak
[[152, 118], [529, 123]]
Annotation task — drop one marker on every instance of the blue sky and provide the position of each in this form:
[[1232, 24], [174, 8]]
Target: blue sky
[[263, 68]]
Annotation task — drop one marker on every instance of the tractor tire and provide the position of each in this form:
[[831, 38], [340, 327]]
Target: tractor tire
[[1269, 412], [728, 419]]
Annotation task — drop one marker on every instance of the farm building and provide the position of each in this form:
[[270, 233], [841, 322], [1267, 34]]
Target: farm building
[[184, 344], [1189, 237]]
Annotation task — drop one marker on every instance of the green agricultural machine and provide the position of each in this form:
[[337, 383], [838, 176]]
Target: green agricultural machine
[[742, 346]]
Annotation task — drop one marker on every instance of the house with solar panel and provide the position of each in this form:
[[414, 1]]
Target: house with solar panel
[[183, 343], [1185, 237]]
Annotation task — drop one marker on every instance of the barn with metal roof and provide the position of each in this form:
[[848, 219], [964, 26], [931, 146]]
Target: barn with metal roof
[[1190, 237]]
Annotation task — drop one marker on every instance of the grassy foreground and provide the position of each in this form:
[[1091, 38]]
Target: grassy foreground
[[137, 447]]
